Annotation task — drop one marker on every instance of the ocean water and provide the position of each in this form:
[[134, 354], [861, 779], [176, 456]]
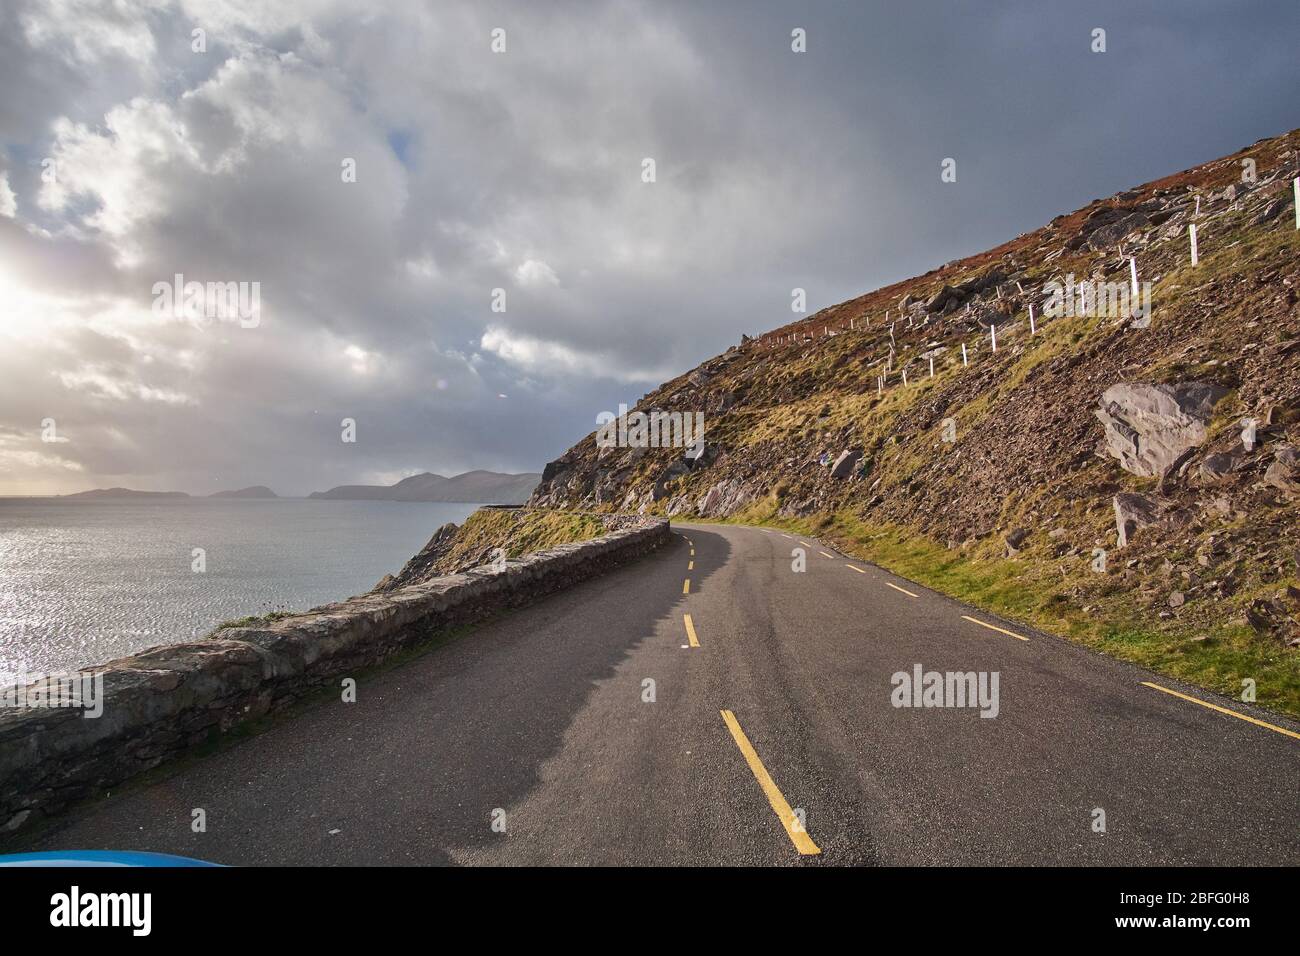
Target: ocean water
[[84, 582]]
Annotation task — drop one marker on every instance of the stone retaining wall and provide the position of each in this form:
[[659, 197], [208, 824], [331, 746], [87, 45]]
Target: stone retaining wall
[[163, 701]]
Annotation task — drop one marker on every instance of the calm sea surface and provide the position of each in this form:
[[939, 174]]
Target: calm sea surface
[[82, 583]]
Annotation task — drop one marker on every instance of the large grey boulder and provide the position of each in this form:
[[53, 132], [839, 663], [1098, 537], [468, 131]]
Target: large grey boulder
[[553, 468], [1108, 235], [1148, 427], [843, 466], [936, 302], [1284, 472], [1216, 468], [723, 499], [1235, 191], [1133, 511], [669, 474], [1270, 212]]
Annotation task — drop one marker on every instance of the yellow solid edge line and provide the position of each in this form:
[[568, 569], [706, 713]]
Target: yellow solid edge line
[[690, 632], [686, 586], [852, 568], [904, 590], [825, 555], [992, 628], [800, 838], [1223, 710]]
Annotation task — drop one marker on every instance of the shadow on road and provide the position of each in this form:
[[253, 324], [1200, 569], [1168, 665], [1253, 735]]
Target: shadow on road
[[415, 768]]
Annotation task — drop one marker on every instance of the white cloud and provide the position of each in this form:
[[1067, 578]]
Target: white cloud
[[8, 201], [89, 31], [537, 356], [359, 360], [16, 458], [422, 268], [535, 272], [100, 381], [121, 169], [27, 461]]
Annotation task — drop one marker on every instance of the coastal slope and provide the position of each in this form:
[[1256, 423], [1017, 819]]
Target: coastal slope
[[1122, 470]]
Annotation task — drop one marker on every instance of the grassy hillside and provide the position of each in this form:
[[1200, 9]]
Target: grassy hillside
[[515, 532]]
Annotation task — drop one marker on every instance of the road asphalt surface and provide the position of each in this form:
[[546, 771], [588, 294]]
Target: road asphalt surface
[[536, 739]]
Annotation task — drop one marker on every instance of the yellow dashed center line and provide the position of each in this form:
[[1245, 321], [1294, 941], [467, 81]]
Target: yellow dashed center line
[[1223, 710], [825, 555], [690, 632], [686, 586], [798, 835], [897, 588], [992, 628], [692, 552], [852, 568], [690, 565]]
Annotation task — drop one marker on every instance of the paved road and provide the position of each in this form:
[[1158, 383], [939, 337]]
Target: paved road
[[541, 719]]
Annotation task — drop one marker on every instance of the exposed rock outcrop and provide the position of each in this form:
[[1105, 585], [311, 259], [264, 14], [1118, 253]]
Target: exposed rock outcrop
[[845, 463], [723, 499], [1217, 467], [1133, 511], [1284, 471], [1148, 427]]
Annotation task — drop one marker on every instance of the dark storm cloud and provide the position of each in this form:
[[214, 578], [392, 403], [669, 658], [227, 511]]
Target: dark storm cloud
[[521, 171]]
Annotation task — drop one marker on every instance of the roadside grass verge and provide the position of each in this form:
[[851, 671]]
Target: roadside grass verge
[[1035, 592], [528, 530], [516, 532]]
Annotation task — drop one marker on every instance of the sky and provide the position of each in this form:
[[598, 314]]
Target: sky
[[441, 220]]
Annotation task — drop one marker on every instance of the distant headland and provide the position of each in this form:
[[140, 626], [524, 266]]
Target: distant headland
[[472, 487]]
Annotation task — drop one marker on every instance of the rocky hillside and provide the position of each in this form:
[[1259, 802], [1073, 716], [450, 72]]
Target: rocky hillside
[[1141, 474]]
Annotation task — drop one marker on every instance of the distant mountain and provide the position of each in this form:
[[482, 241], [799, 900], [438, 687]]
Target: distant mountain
[[481, 487], [100, 493], [254, 491]]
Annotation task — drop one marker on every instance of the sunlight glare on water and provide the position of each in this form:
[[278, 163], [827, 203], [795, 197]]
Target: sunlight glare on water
[[84, 582]]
